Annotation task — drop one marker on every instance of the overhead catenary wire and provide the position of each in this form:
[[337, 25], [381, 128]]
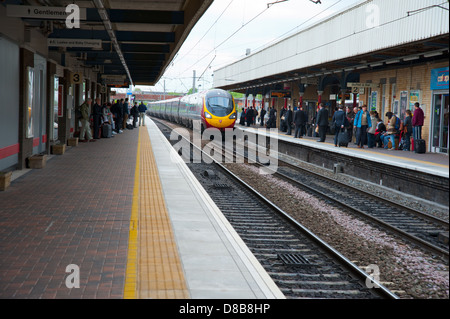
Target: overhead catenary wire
[[224, 41]]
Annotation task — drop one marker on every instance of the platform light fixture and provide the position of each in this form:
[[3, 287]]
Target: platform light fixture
[[433, 54]]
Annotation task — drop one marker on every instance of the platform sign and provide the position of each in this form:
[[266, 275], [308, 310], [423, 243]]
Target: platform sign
[[41, 12], [281, 94], [77, 78], [362, 85], [75, 43]]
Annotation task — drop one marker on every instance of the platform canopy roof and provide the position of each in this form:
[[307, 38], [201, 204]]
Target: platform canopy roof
[[139, 38], [370, 35]]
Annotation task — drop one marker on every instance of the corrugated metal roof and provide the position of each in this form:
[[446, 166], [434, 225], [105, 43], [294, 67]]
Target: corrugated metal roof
[[369, 26]]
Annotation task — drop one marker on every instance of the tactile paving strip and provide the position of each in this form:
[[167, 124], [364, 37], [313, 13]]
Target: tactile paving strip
[[158, 266]]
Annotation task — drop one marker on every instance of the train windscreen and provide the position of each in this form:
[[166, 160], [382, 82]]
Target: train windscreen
[[220, 106]]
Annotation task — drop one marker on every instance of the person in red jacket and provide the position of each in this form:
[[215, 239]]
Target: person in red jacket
[[417, 122]]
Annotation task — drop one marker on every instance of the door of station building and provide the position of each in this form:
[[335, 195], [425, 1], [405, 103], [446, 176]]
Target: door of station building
[[440, 124]]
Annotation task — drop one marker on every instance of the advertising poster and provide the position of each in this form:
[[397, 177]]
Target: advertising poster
[[29, 102], [414, 97]]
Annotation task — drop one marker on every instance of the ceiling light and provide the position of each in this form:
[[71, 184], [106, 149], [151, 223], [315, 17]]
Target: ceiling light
[[393, 61], [432, 54], [410, 58]]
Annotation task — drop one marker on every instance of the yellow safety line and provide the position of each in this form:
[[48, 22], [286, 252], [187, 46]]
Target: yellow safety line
[[153, 268], [160, 274], [131, 272]]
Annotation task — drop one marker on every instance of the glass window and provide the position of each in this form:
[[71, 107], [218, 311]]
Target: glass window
[[219, 105]]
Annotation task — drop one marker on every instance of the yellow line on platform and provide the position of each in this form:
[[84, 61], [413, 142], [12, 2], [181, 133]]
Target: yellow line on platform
[[154, 267], [131, 272]]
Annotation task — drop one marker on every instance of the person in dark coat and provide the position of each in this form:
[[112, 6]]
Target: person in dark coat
[[249, 116], [300, 120], [272, 122], [97, 115], [135, 114], [242, 119], [322, 122], [340, 122], [262, 115], [289, 118]]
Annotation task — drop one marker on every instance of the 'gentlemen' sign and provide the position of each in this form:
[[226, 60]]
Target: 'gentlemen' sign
[[38, 12]]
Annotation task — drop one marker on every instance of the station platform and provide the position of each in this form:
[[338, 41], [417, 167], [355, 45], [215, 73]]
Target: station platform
[[431, 163], [121, 218]]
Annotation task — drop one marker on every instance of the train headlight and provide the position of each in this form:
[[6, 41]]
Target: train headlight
[[208, 116], [233, 116]]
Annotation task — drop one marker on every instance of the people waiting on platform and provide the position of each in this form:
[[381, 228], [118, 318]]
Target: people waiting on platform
[[322, 123], [340, 123], [134, 112], [249, 116], [417, 122], [407, 131], [379, 133], [362, 123], [85, 109], [108, 117], [142, 110], [97, 116], [272, 122], [300, 120], [126, 114], [262, 114], [391, 131], [371, 131], [350, 118]]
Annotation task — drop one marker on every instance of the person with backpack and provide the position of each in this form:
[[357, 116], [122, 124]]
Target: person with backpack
[[392, 129]]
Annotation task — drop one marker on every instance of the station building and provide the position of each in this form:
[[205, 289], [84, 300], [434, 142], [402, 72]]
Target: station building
[[385, 54], [49, 65]]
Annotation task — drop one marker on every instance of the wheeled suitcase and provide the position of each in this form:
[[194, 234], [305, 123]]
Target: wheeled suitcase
[[343, 139], [107, 131], [420, 146]]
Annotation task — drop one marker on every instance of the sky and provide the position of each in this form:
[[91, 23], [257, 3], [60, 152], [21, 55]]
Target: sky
[[230, 27]]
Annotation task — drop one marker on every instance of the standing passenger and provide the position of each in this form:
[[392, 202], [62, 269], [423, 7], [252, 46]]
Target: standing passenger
[[262, 115], [86, 135], [372, 130], [340, 121], [418, 121], [300, 120], [322, 122], [142, 110], [288, 120], [407, 131], [97, 114], [126, 114], [362, 123]]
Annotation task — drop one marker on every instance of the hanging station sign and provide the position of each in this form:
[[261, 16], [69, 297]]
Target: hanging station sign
[[41, 12], [281, 94], [75, 43]]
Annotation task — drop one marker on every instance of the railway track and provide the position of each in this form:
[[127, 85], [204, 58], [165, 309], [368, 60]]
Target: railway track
[[417, 227], [300, 263]]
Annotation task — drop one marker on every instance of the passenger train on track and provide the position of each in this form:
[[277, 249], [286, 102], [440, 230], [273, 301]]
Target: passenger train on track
[[214, 108]]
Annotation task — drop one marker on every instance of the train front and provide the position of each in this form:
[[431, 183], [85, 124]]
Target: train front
[[219, 110]]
